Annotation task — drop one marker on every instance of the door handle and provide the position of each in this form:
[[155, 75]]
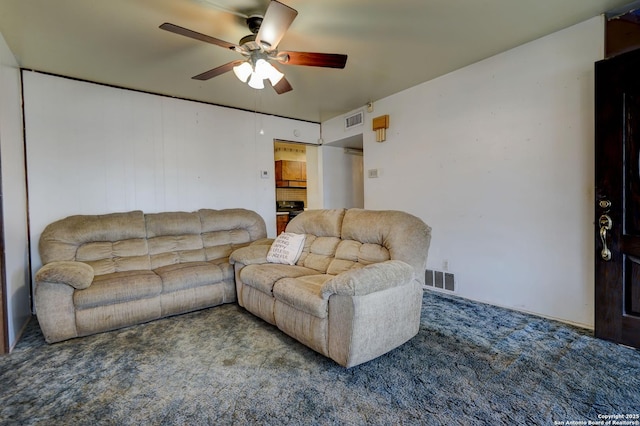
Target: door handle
[[605, 225]]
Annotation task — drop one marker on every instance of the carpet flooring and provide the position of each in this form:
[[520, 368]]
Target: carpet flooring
[[470, 364]]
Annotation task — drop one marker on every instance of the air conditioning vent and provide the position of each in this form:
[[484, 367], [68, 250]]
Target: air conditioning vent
[[439, 280], [354, 120]]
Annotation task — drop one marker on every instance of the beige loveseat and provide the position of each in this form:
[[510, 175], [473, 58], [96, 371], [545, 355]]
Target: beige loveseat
[[355, 292], [102, 272]]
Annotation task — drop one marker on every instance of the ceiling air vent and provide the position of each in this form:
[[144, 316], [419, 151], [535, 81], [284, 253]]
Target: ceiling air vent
[[354, 120]]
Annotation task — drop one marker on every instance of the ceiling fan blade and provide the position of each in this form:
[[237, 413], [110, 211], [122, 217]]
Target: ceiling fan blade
[[276, 22], [283, 86], [309, 59], [217, 71], [196, 35]]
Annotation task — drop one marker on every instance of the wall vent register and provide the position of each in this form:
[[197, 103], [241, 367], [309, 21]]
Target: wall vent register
[[440, 280], [354, 120]]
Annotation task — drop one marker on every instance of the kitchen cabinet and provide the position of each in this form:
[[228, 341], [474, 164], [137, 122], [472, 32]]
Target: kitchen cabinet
[[291, 174], [281, 222]]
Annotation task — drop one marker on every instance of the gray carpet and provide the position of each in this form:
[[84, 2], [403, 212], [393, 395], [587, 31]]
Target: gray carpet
[[470, 364]]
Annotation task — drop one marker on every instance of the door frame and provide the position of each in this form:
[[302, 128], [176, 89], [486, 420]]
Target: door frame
[[4, 323]]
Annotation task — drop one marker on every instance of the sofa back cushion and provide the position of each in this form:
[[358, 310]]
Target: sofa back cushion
[[318, 252], [128, 241], [321, 223], [339, 240], [109, 243], [174, 237], [223, 231], [178, 237], [326, 250], [355, 254], [322, 230], [404, 236]]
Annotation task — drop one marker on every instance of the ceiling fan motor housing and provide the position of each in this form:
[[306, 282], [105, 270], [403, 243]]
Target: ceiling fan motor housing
[[254, 22], [247, 39]]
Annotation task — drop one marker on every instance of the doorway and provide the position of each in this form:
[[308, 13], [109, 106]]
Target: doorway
[[617, 209], [332, 178], [295, 166], [343, 173]]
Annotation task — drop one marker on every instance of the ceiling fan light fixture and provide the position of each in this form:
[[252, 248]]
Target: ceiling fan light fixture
[[267, 71], [256, 81], [277, 78], [243, 71]]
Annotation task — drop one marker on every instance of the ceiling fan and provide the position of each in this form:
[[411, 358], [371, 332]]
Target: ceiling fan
[[260, 49]]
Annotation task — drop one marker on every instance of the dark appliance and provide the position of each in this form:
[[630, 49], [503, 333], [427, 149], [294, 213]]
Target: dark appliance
[[287, 210], [294, 208]]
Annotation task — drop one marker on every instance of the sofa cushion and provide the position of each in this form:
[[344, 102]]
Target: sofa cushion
[[403, 235], [338, 266], [262, 277], [352, 254], [172, 223], [106, 257], [369, 279], [60, 240], [224, 231], [320, 253], [216, 251], [181, 276], [286, 249], [241, 225], [321, 223], [303, 293], [171, 249], [174, 237], [118, 287], [225, 267]]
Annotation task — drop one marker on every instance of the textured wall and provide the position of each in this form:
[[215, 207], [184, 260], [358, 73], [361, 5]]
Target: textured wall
[[96, 149], [498, 158]]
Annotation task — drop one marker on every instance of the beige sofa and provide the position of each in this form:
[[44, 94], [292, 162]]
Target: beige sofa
[[355, 292], [109, 271]]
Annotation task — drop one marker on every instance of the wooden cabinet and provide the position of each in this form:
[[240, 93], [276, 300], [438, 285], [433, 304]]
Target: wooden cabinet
[[291, 174], [281, 223]]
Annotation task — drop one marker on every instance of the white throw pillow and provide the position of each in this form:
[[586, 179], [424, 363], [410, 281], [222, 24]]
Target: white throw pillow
[[286, 249]]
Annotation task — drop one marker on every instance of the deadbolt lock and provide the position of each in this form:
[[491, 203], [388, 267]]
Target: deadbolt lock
[[604, 204]]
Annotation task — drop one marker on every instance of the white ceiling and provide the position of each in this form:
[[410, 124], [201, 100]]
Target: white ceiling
[[392, 45]]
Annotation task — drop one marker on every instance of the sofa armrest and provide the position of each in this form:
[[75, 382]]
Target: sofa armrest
[[370, 279], [76, 274], [250, 255]]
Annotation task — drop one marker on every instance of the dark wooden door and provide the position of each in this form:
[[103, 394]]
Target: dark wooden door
[[617, 210]]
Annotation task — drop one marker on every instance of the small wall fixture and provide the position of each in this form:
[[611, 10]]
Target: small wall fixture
[[380, 126]]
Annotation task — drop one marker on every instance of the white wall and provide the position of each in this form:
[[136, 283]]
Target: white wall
[[498, 158], [95, 149], [342, 180], [314, 177], [14, 202], [342, 174]]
